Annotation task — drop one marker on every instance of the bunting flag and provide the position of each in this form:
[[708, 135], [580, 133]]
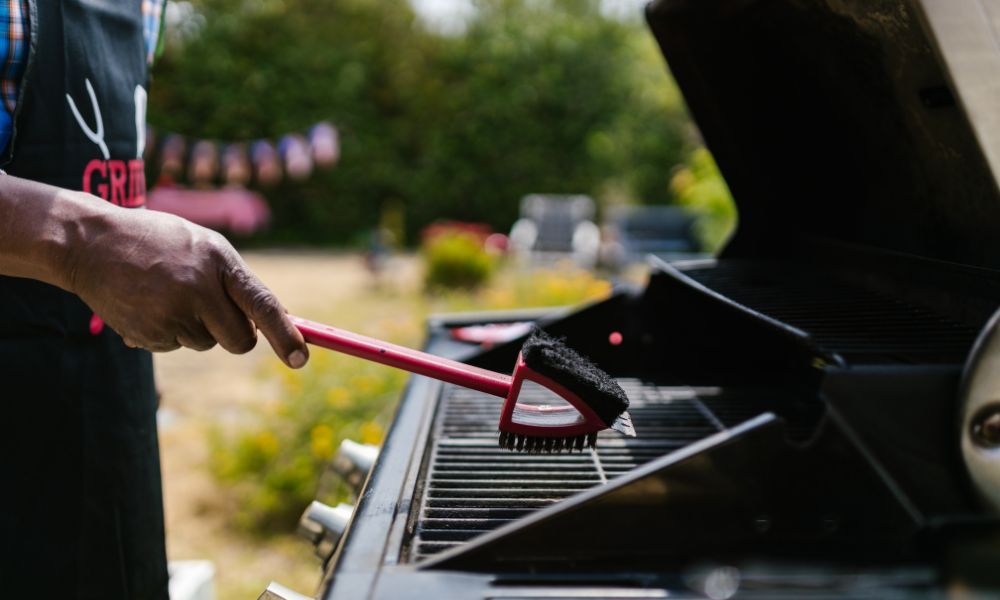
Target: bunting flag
[[172, 156], [203, 167], [325, 144], [266, 163], [295, 155], [206, 163], [236, 170]]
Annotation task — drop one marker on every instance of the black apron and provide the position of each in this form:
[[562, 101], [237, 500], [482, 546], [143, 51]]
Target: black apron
[[81, 512]]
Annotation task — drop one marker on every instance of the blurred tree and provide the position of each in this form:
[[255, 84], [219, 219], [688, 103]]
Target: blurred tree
[[259, 68], [535, 96], [515, 101], [699, 186], [651, 133]]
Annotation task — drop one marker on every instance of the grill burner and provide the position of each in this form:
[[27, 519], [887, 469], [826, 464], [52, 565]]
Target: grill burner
[[472, 486]]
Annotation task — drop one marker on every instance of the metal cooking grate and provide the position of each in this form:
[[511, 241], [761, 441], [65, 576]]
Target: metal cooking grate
[[861, 325], [472, 486]]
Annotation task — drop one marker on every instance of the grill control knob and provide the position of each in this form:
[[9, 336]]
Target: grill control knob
[[980, 413], [276, 591], [323, 525], [353, 461]]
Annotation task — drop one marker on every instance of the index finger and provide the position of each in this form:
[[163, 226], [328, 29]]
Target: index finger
[[263, 308]]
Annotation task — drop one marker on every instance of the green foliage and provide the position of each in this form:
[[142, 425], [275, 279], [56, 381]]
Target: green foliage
[[512, 106], [456, 259], [261, 68], [699, 186], [534, 97], [561, 285], [650, 133], [274, 469]]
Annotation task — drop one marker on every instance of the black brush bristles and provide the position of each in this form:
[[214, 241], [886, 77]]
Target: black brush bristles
[[554, 359], [557, 361], [536, 444]]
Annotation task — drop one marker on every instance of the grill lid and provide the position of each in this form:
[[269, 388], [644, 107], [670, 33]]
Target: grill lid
[[867, 121]]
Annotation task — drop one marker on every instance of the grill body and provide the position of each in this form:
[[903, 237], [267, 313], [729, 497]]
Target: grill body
[[795, 400], [791, 463]]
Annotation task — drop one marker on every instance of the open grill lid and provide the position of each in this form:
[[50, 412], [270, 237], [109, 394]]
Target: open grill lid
[[873, 122]]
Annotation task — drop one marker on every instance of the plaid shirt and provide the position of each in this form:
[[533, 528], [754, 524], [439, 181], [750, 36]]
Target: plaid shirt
[[14, 51], [152, 18], [13, 57]]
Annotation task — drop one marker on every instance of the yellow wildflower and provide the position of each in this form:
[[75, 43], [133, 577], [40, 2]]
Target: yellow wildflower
[[366, 385], [321, 441], [267, 443], [338, 397], [371, 433]]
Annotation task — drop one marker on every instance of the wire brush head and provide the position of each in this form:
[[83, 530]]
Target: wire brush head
[[554, 359]]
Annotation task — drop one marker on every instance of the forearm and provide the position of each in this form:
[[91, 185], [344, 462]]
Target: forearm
[[158, 280], [41, 225]]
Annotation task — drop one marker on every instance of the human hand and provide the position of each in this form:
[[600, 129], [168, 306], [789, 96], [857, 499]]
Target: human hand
[[163, 282]]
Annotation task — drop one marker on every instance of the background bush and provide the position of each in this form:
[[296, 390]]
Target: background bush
[[699, 186], [547, 96], [456, 259]]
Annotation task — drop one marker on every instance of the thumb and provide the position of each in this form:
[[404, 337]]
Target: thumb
[[262, 307]]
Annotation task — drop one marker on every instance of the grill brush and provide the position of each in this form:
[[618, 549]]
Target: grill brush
[[593, 400]]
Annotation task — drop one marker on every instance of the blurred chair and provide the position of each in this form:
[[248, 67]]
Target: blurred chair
[[556, 227], [633, 232]]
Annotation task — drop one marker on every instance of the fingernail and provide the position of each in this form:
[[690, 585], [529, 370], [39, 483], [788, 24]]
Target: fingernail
[[297, 359]]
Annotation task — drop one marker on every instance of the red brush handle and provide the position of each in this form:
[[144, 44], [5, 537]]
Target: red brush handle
[[407, 359]]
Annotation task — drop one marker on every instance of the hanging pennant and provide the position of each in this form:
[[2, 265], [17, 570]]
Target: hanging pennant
[[209, 162], [324, 143], [235, 165], [204, 165], [295, 154], [266, 163], [171, 159]]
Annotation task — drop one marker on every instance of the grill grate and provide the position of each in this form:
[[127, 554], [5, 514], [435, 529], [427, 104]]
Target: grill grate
[[472, 486], [862, 325]]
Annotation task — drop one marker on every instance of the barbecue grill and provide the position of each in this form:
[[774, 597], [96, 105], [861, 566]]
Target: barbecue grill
[[796, 401]]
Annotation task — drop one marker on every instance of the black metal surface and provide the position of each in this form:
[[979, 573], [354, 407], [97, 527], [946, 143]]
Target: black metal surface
[[905, 417], [862, 326], [739, 494], [445, 487], [760, 581], [442, 485], [820, 118]]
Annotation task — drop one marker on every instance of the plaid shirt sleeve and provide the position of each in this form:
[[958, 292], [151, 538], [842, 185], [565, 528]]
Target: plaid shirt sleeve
[[13, 57], [14, 52], [152, 21]]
